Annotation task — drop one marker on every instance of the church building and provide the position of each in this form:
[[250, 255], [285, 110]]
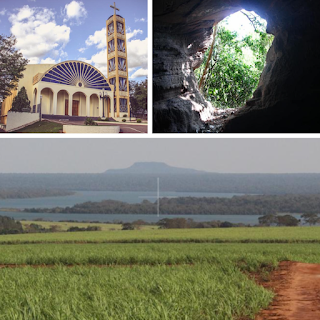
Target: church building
[[76, 88]]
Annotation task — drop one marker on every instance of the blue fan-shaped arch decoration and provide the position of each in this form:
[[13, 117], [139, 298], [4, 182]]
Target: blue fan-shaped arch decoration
[[121, 46], [112, 65], [123, 84], [111, 47], [122, 66], [110, 29], [71, 73], [120, 28]]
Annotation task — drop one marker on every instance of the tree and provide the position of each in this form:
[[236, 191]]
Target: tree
[[288, 221], [311, 218], [12, 64], [138, 96], [21, 102], [268, 220], [127, 226]]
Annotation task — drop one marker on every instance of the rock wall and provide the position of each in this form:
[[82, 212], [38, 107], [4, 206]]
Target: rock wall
[[286, 99]]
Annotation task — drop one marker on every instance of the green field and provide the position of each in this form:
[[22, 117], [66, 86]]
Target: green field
[[66, 225], [214, 235], [152, 274]]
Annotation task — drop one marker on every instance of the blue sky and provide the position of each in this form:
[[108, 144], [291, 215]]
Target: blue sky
[[55, 31]]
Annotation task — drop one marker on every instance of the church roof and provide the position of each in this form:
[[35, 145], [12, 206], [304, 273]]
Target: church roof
[[73, 73]]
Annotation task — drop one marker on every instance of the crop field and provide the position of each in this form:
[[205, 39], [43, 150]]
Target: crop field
[[158, 274], [64, 226], [213, 235]]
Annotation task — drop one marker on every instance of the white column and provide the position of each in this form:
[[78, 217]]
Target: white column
[[88, 105], [112, 105], [38, 97], [54, 103], [38, 100], [70, 104], [100, 108]]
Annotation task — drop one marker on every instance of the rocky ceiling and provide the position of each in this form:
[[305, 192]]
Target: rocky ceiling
[[287, 97]]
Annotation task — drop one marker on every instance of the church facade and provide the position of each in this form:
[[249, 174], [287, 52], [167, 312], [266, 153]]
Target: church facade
[[76, 88]]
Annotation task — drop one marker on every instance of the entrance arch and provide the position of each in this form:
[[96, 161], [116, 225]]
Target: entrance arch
[[94, 105], [63, 102], [47, 101], [79, 104]]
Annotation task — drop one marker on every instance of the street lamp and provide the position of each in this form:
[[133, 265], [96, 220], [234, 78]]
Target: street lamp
[[102, 97]]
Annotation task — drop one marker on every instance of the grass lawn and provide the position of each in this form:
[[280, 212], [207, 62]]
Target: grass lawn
[[42, 127]]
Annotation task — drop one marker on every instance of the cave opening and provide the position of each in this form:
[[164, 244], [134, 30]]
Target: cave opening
[[232, 64]]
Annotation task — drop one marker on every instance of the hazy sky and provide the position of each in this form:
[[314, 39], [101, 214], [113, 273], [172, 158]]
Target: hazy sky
[[215, 155]]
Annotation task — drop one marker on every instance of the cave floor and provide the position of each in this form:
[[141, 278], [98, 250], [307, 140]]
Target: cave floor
[[215, 124]]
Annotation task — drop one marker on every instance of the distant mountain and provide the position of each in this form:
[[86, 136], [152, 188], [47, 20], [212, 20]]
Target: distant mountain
[[153, 168]]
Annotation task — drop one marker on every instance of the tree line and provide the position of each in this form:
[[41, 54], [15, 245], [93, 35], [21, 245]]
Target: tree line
[[32, 193], [237, 205]]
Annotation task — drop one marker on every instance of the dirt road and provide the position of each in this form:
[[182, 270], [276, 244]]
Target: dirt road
[[297, 286]]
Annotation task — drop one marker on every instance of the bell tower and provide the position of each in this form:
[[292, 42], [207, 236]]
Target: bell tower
[[118, 62]]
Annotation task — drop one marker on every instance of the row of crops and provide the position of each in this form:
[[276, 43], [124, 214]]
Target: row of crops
[[93, 280]]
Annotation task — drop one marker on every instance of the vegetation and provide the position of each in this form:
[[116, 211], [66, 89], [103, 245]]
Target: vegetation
[[159, 281], [147, 235], [78, 229], [32, 193], [140, 292], [9, 226], [235, 65], [21, 103], [65, 225], [237, 205], [12, 64], [90, 122], [138, 97], [124, 120], [283, 220], [42, 127]]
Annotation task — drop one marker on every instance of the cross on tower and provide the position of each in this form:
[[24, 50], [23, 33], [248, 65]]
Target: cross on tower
[[115, 8]]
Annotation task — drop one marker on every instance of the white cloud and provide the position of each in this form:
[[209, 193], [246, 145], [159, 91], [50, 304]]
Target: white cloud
[[138, 53], [99, 60], [37, 33], [140, 20], [3, 12], [133, 33], [140, 73], [48, 61], [82, 50], [99, 39], [75, 12]]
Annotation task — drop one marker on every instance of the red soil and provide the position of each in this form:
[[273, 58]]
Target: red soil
[[297, 288]]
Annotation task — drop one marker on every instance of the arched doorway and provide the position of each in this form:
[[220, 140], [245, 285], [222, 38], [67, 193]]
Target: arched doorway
[[63, 102], [94, 105], [46, 101], [79, 100]]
